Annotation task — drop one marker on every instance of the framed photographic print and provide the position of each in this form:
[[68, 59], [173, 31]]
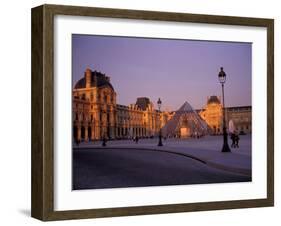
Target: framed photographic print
[[141, 112]]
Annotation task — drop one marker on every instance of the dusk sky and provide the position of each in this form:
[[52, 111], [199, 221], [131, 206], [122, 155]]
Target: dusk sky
[[174, 70]]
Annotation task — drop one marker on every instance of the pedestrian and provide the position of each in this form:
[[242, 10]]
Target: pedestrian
[[104, 141], [137, 139], [232, 137], [237, 140]]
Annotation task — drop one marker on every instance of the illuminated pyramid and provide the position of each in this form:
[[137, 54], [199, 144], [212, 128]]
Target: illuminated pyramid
[[185, 123]]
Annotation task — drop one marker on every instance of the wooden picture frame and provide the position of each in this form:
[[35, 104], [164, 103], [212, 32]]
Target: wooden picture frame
[[43, 111]]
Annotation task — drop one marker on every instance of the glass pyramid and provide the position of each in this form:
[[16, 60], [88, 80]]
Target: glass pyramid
[[185, 123]]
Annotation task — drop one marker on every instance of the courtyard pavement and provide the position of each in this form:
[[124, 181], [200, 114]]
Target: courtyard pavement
[[95, 168], [206, 149]]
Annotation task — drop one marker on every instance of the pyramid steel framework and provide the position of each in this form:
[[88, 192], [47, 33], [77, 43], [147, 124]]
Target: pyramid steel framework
[[185, 117]]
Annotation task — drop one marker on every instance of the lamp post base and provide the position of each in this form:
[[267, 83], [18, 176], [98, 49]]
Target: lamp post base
[[225, 148]]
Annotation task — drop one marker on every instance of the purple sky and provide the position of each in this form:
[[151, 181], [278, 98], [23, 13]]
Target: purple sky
[[174, 70]]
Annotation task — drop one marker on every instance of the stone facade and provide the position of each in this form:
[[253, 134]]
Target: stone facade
[[212, 114], [95, 99], [96, 114], [240, 116]]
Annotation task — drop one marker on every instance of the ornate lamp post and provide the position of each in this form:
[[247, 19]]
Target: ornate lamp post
[[159, 103], [222, 79]]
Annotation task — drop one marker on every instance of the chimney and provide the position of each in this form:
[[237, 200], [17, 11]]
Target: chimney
[[88, 77]]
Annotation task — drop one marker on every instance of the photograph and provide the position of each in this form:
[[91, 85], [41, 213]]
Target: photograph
[[159, 112], [142, 112]]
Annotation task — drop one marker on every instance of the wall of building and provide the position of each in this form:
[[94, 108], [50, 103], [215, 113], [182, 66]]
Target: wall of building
[[96, 115], [241, 117]]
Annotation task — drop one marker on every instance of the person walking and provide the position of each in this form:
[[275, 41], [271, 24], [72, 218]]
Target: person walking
[[104, 141], [237, 140]]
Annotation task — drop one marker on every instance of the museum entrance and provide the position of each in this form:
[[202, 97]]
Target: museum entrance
[[184, 132]]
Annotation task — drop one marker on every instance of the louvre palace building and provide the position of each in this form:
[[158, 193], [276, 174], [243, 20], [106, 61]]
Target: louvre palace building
[[96, 114]]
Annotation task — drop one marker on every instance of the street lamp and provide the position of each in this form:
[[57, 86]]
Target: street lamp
[[159, 103], [222, 79]]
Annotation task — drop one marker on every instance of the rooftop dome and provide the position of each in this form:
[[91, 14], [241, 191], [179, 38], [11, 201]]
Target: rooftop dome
[[97, 80], [213, 100]]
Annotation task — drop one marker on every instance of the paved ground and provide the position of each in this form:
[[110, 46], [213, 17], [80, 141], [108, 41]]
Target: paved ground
[[191, 161]]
